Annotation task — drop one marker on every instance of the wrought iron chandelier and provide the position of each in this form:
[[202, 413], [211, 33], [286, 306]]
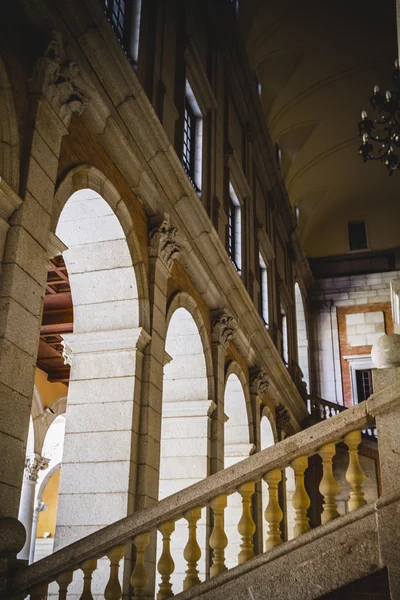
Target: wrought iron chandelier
[[381, 135]]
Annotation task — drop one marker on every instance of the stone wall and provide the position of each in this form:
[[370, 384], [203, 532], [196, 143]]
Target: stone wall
[[349, 313]]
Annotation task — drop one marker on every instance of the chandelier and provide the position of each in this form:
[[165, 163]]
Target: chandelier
[[381, 135]]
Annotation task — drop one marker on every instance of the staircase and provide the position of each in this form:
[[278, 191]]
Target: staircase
[[342, 550]]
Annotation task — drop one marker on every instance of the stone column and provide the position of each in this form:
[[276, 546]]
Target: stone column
[[386, 379], [54, 96], [33, 464], [258, 387], [40, 507], [164, 249]]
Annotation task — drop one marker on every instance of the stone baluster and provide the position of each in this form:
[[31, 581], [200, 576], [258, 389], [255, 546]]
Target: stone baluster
[[328, 487], [273, 513], [246, 525], [166, 564], [354, 475], [63, 580], [218, 539], [88, 567], [192, 552], [39, 592], [300, 500], [113, 589], [139, 578]]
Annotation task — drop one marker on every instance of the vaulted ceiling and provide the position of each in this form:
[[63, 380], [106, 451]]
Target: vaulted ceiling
[[318, 62]]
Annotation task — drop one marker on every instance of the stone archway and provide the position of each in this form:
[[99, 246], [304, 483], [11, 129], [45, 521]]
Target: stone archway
[[98, 477], [268, 437], [186, 411], [302, 336], [238, 445]]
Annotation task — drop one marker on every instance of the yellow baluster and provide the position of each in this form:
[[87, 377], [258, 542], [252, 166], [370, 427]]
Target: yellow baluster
[[87, 567], [139, 578], [113, 589], [192, 552], [218, 539], [354, 475], [166, 564], [273, 513], [63, 581], [39, 592], [328, 487], [246, 526], [300, 500]]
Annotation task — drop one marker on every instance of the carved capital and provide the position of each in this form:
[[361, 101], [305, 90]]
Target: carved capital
[[66, 353], [259, 382], [282, 416], [224, 328], [164, 242], [34, 464], [60, 80]]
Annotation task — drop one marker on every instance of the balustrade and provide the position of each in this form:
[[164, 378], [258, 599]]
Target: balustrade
[[267, 465]]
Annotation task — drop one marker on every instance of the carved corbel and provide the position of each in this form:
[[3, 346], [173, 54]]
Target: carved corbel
[[259, 382], [223, 328], [164, 242], [60, 81], [282, 417]]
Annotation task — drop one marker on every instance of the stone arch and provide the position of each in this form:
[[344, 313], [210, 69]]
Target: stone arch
[[302, 336], [186, 411], [238, 445], [185, 300], [268, 437], [89, 177], [9, 136], [110, 304]]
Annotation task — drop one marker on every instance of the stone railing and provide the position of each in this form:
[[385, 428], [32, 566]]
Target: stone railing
[[212, 492], [320, 409]]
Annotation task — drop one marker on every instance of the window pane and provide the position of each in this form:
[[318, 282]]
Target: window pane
[[357, 235], [364, 384]]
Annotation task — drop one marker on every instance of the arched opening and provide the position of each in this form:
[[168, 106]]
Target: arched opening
[[237, 447], [302, 336], [98, 470], [185, 428], [267, 439], [45, 512]]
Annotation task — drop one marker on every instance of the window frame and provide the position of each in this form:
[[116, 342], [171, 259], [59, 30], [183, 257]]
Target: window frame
[[127, 32], [235, 242], [349, 239], [194, 167], [264, 290]]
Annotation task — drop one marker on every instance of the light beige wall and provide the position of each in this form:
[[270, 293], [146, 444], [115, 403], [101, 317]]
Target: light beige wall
[[331, 236]]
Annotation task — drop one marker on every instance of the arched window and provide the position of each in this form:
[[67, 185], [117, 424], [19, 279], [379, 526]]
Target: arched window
[[302, 336]]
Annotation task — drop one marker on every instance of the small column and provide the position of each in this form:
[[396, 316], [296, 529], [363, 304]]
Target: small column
[[40, 507], [33, 464]]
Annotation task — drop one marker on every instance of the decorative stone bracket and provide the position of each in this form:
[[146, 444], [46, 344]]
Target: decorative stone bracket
[[224, 328], [164, 242], [34, 464]]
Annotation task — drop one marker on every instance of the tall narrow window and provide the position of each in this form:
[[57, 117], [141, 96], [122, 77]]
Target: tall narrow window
[[357, 235], [285, 345], [264, 306], [124, 16], [192, 140], [258, 84], [364, 384], [235, 230]]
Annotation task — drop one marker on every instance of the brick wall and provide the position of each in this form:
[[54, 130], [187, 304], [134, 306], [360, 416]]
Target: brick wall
[[335, 299]]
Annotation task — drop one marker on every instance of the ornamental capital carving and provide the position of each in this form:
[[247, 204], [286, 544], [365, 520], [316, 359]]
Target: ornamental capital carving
[[282, 416], [164, 242], [60, 80], [34, 464], [224, 328], [259, 382], [66, 353]]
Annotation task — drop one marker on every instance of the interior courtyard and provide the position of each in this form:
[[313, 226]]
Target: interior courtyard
[[199, 300]]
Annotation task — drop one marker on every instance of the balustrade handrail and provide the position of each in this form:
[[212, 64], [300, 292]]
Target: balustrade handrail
[[329, 403], [306, 442]]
